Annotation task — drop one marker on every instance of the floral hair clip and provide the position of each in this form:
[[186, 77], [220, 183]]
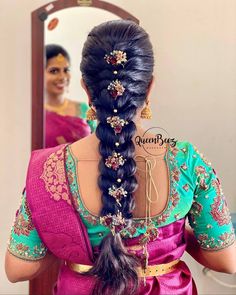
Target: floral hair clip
[[118, 193], [115, 222], [116, 88], [115, 161], [116, 57], [117, 123]]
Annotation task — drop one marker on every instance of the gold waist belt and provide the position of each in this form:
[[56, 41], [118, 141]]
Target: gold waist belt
[[150, 271]]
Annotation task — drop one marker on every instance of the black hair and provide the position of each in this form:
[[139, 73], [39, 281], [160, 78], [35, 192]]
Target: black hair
[[52, 50], [115, 268]]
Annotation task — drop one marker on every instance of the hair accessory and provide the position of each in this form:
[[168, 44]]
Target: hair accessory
[[118, 193], [116, 57], [117, 123], [115, 222], [146, 113], [60, 57], [115, 161], [116, 88], [150, 235], [91, 114]]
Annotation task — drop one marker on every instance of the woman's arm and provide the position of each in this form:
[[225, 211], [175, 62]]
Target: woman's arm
[[22, 270], [223, 260]]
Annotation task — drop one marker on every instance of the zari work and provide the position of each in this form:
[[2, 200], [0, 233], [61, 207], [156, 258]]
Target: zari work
[[195, 192]]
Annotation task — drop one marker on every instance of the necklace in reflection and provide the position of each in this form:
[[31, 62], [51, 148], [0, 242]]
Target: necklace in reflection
[[59, 109]]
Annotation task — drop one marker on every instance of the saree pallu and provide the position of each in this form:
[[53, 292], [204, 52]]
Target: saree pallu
[[64, 129], [168, 247]]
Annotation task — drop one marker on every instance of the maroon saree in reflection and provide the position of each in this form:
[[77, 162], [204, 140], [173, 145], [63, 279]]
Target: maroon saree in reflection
[[63, 232], [64, 129]]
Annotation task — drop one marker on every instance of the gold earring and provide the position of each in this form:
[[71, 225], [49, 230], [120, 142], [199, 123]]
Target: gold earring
[[91, 114], [146, 113]]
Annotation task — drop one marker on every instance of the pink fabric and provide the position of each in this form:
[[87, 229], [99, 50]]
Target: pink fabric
[[169, 246], [57, 223], [64, 129], [63, 232]]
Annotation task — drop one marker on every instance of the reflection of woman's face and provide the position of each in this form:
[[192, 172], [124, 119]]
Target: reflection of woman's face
[[57, 75]]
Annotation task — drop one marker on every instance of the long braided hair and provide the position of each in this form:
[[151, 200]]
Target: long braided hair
[[117, 66]]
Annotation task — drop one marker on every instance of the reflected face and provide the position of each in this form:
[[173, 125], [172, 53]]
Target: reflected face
[[57, 76]]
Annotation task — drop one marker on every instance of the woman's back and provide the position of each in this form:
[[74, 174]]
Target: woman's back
[[107, 182], [86, 153]]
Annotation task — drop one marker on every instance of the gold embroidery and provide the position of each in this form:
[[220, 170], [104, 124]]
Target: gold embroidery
[[54, 177]]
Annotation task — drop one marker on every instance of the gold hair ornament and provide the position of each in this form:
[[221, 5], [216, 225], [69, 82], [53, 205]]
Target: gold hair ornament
[[115, 161], [60, 57], [116, 123], [117, 193], [115, 222], [116, 88], [116, 57]]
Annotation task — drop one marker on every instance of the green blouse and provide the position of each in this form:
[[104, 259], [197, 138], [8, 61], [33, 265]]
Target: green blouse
[[195, 192]]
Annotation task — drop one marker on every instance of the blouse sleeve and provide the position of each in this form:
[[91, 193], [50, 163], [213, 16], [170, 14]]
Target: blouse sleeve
[[24, 241], [209, 215]]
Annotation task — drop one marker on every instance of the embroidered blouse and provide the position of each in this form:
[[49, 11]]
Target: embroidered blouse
[[195, 193]]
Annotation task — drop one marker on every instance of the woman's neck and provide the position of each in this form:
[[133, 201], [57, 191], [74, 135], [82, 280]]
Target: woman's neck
[[55, 100]]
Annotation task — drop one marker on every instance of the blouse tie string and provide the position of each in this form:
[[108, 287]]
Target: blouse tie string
[[149, 182]]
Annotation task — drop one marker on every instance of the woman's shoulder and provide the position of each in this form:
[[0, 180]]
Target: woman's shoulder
[[78, 104], [185, 147], [87, 147]]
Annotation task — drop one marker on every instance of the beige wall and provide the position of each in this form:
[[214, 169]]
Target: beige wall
[[194, 96]]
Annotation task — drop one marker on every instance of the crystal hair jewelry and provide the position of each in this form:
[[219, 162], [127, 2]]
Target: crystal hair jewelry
[[117, 123], [116, 88], [115, 161], [116, 57], [118, 193], [115, 222]]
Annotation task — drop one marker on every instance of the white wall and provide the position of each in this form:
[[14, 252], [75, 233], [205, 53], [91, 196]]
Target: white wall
[[194, 96]]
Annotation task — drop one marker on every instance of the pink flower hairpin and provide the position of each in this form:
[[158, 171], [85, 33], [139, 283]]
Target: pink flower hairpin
[[115, 161], [116, 88], [118, 193], [117, 123], [116, 57], [115, 222]]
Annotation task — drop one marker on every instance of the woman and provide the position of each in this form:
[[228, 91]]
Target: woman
[[114, 214], [65, 119]]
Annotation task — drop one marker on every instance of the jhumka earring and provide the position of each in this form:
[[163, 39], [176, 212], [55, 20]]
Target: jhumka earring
[[91, 114], [146, 113]]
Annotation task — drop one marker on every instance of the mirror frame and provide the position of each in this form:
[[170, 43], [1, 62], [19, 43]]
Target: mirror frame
[[44, 282], [37, 22]]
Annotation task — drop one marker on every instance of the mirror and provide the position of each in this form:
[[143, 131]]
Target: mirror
[[48, 20], [65, 102], [56, 23]]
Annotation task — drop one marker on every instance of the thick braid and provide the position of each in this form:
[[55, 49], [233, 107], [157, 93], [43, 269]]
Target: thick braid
[[117, 65]]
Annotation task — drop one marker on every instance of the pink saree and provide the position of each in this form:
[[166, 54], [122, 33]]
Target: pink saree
[[64, 129], [63, 232]]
